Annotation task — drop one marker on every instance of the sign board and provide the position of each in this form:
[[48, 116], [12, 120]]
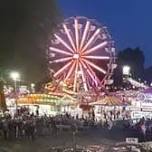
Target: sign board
[[136, 114], [141, 114], [132, 140], [131, 108], [145, 99], [147, 109], [23, 89]]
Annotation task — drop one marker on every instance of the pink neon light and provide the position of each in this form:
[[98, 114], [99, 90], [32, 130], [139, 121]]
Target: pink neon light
[[76, 33], [61, 60], [63, 42], [97, 57], [84, 34], [59, 51], [91, 40], [75, 76], [62, 69], [69, 37], [71, 70], [95, 66], [96, 47], [88, 71], [83, 77]]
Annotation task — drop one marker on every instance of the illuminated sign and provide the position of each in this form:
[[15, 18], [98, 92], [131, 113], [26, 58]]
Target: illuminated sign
[[145, 97]]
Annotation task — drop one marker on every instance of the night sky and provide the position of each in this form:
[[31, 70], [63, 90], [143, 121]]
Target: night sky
[[26, 26], [129, 21]]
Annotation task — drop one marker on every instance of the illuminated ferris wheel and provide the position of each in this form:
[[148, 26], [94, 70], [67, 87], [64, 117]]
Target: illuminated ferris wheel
[[82, 53]]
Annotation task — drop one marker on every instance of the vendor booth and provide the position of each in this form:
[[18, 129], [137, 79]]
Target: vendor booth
[[142, 105], [46, 104]]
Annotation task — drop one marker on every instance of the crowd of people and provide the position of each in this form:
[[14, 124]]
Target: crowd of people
[[141, 129], [24, 125], [107, 118]]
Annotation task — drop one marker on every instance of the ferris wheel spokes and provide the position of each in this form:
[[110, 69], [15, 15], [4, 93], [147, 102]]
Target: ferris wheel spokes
[[76, 34], [84, 34], [95, 78], [75, 77], [97, 57], [64, 43], [62, 69], [59, 51], [69, 36], [95, 66], [83, 77], [61, 60], [91, 73], [77, 46], [91, 40], [102, 45], [71, 70]]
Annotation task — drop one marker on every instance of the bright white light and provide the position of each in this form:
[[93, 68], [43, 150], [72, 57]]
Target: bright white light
[[126, 70], [32, 85], [76, 56], [15, 76], [151, 84]]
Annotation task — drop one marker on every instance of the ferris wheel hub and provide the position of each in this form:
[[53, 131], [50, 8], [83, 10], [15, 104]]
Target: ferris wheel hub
[[76, 56]]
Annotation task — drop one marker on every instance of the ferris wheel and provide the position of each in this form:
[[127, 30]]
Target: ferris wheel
[[82, 53]]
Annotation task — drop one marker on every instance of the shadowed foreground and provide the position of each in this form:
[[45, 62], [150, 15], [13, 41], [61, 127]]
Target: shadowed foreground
[[94, 136]]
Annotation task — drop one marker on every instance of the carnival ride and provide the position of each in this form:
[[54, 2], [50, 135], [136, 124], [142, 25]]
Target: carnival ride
[[81, 62], [78, 46]]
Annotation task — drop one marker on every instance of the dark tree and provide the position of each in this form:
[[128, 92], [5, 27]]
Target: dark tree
[[148, 75], [25, 28], [40, 84], [133, 58], [2, 97]]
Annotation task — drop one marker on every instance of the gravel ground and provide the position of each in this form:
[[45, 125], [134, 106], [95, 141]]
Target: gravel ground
[[95, 136]]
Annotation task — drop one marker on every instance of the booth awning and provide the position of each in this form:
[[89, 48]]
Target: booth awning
[[108, 101]]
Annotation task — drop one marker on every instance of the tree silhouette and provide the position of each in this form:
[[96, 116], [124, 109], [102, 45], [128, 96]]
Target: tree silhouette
[[25, 28], [148, 75], [2, 97], [133, 58]]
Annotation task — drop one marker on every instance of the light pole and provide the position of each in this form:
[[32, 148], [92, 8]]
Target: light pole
[[32, 87], [15, 76], [126, 74]]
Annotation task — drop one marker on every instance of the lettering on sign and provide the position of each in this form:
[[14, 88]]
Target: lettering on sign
[[132, 140], [145, 97]]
